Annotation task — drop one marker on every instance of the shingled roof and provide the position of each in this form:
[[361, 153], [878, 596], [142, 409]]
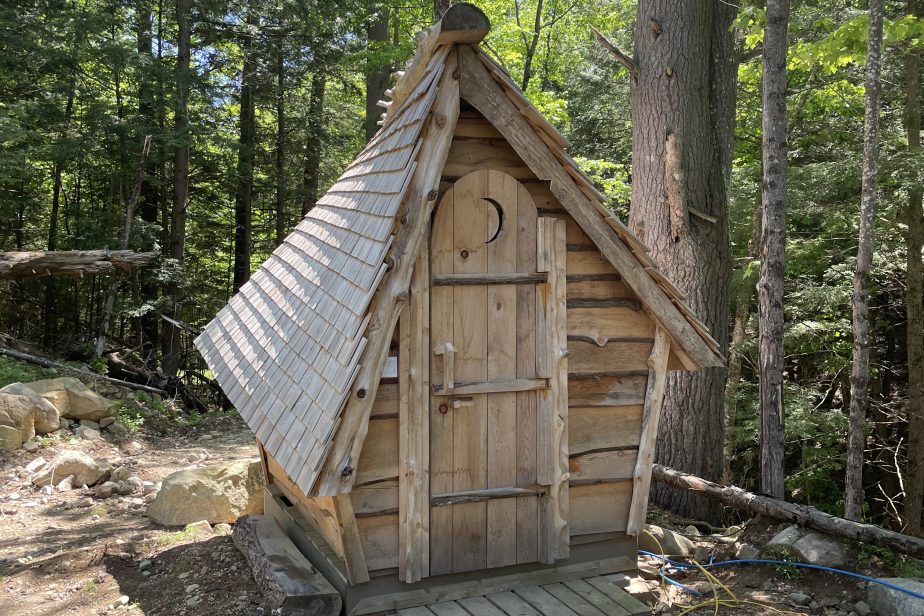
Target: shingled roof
[[287, 348]]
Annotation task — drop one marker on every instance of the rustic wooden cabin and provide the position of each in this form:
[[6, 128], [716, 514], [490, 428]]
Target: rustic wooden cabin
[[455, 362]]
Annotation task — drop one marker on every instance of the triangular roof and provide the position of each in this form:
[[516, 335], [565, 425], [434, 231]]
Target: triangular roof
[[299, 349]]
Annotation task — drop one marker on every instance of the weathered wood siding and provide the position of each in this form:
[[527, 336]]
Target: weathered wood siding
[[609, 340]]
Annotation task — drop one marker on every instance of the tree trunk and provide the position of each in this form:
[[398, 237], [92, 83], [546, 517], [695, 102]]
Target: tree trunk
[[859, 373], [378, 73], [683, 117], [281, 223], [791, 512], [180, 181], [149, 200], [773, 249], [532, 42], [314, 142], [743, 297], [243, 202], [914, 479]]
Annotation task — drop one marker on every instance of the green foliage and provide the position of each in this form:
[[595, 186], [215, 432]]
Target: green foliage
[[15, 371]]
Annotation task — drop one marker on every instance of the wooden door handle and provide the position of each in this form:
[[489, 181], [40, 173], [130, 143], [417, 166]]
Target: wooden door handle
[[448, 351]]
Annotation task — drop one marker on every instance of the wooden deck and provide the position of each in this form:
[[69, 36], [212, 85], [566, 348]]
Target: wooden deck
[[593, 596]]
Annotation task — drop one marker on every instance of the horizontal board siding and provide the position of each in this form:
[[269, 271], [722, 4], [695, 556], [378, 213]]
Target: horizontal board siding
[[601, 428], [376, 498], [585, 262], [379, 458], [616, 355], [606, 390], [602, 466], [600, 508], [601, 324], [386, 401], [379, 537], [468, 155]]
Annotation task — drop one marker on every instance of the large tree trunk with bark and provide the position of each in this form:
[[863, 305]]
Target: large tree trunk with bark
[[243, 201], [791, 512], [859, 373], [683, 105], [773, 248], [914, 479], [314, 142], [378, 73], [171, 339]]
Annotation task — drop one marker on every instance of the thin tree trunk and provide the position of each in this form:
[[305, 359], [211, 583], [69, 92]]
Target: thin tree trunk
[[532, 42], [914, 477], [281, 222], [314, 142], [243, 202], [378, 73], [683, 117], [772, 249], [180, 181], [743, 297], [859, 373], [126, 236]]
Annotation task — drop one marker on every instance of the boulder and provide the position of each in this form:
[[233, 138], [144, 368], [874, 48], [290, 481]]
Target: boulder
[[10, 438], [672, 543], [884, 600], [786, 537], [47, 418], [86, 470], [819, 549], [219, 493], [73, 399], [18, 412], [87, 434]]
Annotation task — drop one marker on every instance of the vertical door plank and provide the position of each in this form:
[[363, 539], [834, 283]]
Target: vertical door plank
[[527, 508], [470, 218], [441, 424], [502, 365], [654, 396]]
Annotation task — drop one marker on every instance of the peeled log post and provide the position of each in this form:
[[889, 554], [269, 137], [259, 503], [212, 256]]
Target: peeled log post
[[791, 512], [77, 263]]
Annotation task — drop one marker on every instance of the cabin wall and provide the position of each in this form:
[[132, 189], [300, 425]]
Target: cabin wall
[[610, 338]]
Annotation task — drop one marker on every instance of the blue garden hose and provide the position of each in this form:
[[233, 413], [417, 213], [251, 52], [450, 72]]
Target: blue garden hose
[[757, 561]]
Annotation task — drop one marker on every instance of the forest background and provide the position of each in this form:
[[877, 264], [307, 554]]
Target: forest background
[[255, 107]]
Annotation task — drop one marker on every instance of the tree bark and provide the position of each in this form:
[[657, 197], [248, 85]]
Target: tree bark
[[243, 201], [791, 512], [314, 142], [378, 73], [281, 221], [773, 249], [743, 298], [914, 476], [683, 118], [76, 263], [859, 373], [171, 355]]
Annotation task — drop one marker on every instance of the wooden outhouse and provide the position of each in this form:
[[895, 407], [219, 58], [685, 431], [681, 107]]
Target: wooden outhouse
[[455, 362]]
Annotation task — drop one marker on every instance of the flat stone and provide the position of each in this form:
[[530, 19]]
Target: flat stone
[[105, 489], [862, 608], [35, 465], [86, 470], [672, 543], [145, 564], [202, 527], [30, 446], [66, 484], [800, 598], [89, 424], [121, 601], [747, 552], [105, 422], [786, 537], [87, 434], [192, 588], [888, 601]]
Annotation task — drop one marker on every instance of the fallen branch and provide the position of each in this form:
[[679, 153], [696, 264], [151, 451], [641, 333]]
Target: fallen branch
[[76, 263], [47, 363], [791, 512]]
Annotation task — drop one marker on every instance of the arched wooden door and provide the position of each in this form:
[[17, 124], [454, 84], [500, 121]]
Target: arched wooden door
[[487, 501]]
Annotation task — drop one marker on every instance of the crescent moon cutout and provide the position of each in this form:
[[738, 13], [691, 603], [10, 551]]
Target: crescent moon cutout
[[500, 218]]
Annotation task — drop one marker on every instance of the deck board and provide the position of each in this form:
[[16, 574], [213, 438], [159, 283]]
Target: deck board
[[592, 596]]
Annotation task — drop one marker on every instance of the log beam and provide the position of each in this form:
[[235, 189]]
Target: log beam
[[77, 263], [791, 512]]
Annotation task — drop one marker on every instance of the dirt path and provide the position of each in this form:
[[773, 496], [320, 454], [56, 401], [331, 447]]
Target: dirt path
[[74, 553]]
